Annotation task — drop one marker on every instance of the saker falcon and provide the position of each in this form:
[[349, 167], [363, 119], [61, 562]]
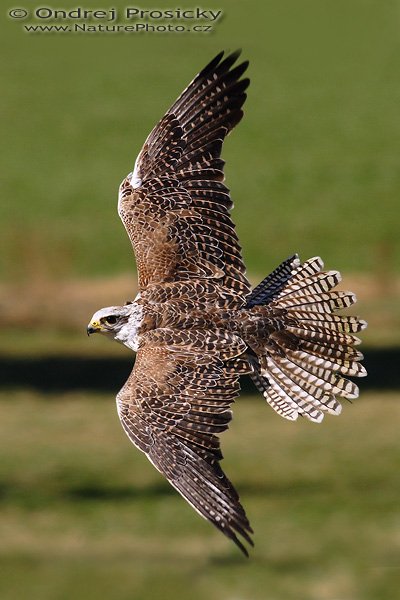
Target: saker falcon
[[196, 324]]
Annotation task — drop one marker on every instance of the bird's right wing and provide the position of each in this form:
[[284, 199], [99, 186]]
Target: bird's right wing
[[173, 407], [175, 206]]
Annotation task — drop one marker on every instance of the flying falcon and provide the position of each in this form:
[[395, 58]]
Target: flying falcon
[[196, 324]]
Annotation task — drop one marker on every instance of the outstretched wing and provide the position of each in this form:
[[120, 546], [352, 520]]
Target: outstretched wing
[[173, 407], [175, 206]]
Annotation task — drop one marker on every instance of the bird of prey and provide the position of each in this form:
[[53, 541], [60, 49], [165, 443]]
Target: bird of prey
[[196, 325]]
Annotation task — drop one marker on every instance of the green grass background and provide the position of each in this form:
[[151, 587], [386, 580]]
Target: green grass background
[[83, 515], [313, 168]]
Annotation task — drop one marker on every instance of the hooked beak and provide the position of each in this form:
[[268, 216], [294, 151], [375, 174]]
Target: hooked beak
[[93, 328]]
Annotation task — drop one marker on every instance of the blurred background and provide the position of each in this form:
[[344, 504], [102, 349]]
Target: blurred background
[[313, 168]]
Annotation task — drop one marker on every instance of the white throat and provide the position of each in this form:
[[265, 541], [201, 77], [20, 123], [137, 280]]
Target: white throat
[[129, 332]]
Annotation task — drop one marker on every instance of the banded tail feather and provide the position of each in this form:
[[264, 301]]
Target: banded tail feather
[[301, 369]]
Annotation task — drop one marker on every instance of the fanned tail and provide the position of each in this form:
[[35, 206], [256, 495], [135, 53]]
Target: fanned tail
[[300, 370]]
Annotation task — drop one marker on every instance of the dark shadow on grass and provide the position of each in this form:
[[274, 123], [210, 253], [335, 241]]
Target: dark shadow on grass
[[36, 496], [70, 373], [97, 492], [93, 493]]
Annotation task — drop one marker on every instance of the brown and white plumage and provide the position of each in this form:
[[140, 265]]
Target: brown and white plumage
[[173, 407], [196, 325], [175, 206]]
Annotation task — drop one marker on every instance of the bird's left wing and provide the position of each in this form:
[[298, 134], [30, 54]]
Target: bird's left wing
[[173, 407], [175, 206]]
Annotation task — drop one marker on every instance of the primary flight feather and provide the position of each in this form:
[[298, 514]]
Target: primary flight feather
[[197, 326]]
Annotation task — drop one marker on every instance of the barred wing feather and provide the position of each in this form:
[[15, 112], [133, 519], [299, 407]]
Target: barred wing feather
[[175, 206], [173, 407]]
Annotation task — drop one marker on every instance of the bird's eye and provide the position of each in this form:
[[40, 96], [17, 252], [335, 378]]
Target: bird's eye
[[111, 320]]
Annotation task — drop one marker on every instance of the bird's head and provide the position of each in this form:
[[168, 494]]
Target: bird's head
[[109, 321], [120, 323]]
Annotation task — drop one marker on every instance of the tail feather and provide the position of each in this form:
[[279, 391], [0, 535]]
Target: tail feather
[[273, 283], [320, 335], [311, 285], [323, 303], [331, 351], [301, 369], [288, 390], [347, 324], [286, 408], [343, 366], [282, 405], [310, 267], [315, 383]]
